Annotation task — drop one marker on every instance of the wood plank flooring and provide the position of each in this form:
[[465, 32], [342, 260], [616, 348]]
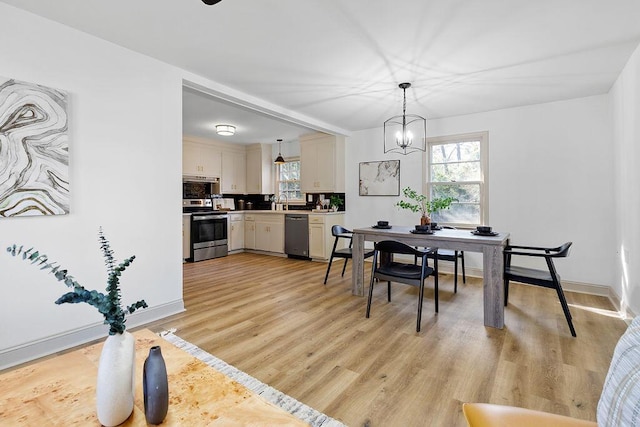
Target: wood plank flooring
[[273, 318]]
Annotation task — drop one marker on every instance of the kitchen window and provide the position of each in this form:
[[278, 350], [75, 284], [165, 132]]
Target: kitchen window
[[288, 180], [457, 167]]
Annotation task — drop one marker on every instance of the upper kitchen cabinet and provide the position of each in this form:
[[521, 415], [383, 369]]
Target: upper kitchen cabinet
[[234, 171], [322, 163], [201, 159], [259, 169]]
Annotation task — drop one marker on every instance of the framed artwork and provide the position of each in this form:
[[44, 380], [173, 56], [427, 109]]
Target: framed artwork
[[380, 178], [34, 150]]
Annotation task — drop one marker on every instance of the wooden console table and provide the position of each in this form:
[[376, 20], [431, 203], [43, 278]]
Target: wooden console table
[[61, 391]]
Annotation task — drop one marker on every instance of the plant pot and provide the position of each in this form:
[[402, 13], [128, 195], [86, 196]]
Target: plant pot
[[115, 387], [155, 387]]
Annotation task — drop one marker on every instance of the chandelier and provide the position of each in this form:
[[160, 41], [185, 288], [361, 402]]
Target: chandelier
[[406, 133]]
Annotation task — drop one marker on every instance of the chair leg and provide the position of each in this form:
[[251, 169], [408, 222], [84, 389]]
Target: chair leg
[[420, 298], [506, 291], [435, 287], [328, 268], [565, 308], [388, 291], [464, 276], [370, 296], [344, 267], [455, 273]]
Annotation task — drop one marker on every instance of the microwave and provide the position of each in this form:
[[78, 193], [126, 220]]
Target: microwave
[[194, 187]]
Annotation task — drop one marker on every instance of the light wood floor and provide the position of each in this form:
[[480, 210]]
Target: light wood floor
[[273, 318]]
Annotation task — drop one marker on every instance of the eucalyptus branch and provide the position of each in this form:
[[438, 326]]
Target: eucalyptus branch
[[108, 305]]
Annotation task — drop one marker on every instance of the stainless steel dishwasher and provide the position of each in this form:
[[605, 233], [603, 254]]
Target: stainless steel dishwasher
[[296, 235]]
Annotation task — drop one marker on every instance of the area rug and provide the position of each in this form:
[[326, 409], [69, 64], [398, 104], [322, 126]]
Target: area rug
[[288, 403]]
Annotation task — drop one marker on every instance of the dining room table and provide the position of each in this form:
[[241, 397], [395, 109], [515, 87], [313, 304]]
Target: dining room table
[[491, 245]]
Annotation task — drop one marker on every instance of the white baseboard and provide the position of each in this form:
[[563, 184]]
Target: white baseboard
[[43, 347]]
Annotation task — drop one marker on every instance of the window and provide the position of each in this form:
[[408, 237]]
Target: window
[[288, 180], [457, 167]]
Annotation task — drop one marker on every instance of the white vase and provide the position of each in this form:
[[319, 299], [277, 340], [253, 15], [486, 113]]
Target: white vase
[[115, 388]]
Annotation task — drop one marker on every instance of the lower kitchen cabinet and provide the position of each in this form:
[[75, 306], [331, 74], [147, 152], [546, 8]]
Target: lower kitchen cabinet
[[249, 231], [236, 231], [186, 236], [269, 232], [320, 237]]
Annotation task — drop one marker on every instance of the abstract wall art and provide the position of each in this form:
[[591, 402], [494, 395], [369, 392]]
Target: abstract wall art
[[34, 150], [380, 178]]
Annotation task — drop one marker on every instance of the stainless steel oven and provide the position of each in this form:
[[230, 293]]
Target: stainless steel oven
[[208, 230], [208, 235]]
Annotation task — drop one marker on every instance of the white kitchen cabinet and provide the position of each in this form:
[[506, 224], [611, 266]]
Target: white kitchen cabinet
[[201, 159], [270, 233], [322, 163], [249, 231], [320, 237], [186, 236], [234, 171], [259, 169], [236, 231]]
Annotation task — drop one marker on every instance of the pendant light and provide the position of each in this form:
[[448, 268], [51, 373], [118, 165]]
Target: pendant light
[[406, 133], [279, 160]]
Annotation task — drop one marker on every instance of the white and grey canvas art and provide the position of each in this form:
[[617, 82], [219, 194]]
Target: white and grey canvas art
[[380, 178], [34, 150]]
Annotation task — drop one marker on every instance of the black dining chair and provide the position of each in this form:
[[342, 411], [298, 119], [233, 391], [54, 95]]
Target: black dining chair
[[452, 256], [411, 274], [339, 232], [548, 278]]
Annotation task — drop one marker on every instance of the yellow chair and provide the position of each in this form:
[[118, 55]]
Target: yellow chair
[[619, 403], [486, 414]]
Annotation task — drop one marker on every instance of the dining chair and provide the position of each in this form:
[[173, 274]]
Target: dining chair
[[548, 278], [339, 232], [452, 256], [410, 274]]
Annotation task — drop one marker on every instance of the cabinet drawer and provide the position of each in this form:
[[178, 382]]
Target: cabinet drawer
[[271, 218], [316, 219], [236, 217], [248, 217]]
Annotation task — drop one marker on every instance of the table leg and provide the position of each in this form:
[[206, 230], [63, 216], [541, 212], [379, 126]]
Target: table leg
[[357, 270], [493, 286]]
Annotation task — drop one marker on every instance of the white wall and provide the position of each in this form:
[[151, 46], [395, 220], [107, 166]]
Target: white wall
[[125, 172], [550, 179], [625, 99]]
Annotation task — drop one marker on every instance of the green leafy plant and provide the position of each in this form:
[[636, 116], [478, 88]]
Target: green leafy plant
[[420, 203], [108, 304], [335, 200]]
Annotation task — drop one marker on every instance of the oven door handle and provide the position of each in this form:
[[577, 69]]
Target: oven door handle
[[208, 217]]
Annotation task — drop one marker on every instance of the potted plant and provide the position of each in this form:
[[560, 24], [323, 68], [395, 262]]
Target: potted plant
[[335, 202], [115, 386], [420, 203]]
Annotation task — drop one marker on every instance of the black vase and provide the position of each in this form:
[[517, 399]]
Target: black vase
[[155, 387]]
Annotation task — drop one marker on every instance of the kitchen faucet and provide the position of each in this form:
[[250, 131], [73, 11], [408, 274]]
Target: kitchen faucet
[[286, 200]]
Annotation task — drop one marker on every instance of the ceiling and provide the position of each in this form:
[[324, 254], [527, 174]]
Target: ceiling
[[340, 62]]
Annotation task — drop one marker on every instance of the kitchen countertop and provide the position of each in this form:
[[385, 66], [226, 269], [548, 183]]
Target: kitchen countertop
[[293, 211], [268, 211]]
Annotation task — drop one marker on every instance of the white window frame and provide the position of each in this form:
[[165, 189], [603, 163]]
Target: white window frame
[[483, 137], [278, 181]]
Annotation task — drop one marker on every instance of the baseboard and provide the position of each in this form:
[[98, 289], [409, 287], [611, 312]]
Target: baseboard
[[43, 347]]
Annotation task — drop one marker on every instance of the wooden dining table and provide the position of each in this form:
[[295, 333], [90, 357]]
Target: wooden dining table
[[490, 246]]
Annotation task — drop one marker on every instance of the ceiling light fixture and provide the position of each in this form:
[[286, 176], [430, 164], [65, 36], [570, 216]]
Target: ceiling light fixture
[[406, 133], [279, 160], [225, 130], [211, 2]]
